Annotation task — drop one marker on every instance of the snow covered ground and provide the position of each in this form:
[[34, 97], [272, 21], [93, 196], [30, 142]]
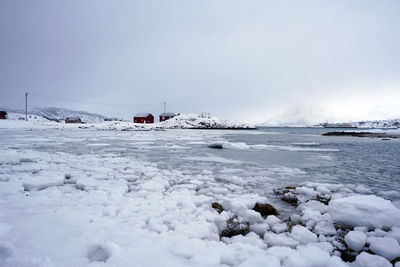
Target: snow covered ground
[[183, 121], [89, 197], [54, 113]]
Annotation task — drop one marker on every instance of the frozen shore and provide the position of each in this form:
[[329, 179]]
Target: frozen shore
[[72, 197]]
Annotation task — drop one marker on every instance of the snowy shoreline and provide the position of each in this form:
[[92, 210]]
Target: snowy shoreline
[[182, 121], [92, 204]]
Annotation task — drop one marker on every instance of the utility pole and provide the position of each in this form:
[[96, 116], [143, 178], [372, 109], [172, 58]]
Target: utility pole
[[165, 105], [26, 106]]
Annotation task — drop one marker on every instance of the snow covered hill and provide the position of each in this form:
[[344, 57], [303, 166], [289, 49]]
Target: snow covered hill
[[54, 113], [201, 121]]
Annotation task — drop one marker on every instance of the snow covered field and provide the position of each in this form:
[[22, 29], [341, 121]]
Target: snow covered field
[[89, 197]]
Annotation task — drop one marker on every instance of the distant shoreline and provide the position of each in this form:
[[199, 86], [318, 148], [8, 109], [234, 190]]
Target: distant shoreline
[[362, 134]]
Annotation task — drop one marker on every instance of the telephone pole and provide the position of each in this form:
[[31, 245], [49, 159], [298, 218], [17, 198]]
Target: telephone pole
[[165, 106], [26, 106]]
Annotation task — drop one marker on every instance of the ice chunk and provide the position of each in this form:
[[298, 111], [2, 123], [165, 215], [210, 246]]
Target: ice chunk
[[368, 210], [272, 219], [324, 246], [312, 256], [260, 260], [355, 240], [368, 260], [241, 210], [279, 227], [281, 252], [259, 228], [385, 246], [361, 228], [362, 190], [395, 233], [324, 228], [281, 239], [303, 235], [295, 218]]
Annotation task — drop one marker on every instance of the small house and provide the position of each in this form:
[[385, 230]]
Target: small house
[[73, 120], [3, 115], [143, 118], [167, 115]]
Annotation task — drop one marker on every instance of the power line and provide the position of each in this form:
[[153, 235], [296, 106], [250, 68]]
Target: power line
[[96, 103]]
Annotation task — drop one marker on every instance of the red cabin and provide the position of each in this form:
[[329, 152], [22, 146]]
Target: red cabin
[[167, 115], [3, 115], [143, 118]]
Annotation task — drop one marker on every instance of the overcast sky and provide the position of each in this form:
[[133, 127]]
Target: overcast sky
[[247, 60]]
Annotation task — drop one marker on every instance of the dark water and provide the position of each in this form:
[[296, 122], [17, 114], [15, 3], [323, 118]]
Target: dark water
[[371, 162]]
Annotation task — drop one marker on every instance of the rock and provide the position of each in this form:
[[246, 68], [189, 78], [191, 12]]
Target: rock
[[323, 199], [348, 255], [288, 194], [217, 206], [265, 209], [216, 146], [235, 227], [396, 261]]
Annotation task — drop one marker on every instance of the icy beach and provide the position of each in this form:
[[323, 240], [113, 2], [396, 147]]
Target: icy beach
[[111, 195]]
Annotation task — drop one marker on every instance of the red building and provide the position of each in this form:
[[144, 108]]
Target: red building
[[143, 118], [3, 115], [167, 115]]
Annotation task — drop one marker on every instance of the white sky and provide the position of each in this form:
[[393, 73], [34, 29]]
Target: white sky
[[247, 60]]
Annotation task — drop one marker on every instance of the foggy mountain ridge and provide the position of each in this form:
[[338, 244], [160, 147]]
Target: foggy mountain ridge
[[305, 116]]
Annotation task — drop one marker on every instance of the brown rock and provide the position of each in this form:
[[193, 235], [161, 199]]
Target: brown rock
[[235, 227], [217, 206], [265, 209]]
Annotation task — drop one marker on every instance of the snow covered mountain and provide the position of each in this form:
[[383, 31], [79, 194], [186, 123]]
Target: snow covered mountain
[[300, 116], [53, 113], [312, 115]]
